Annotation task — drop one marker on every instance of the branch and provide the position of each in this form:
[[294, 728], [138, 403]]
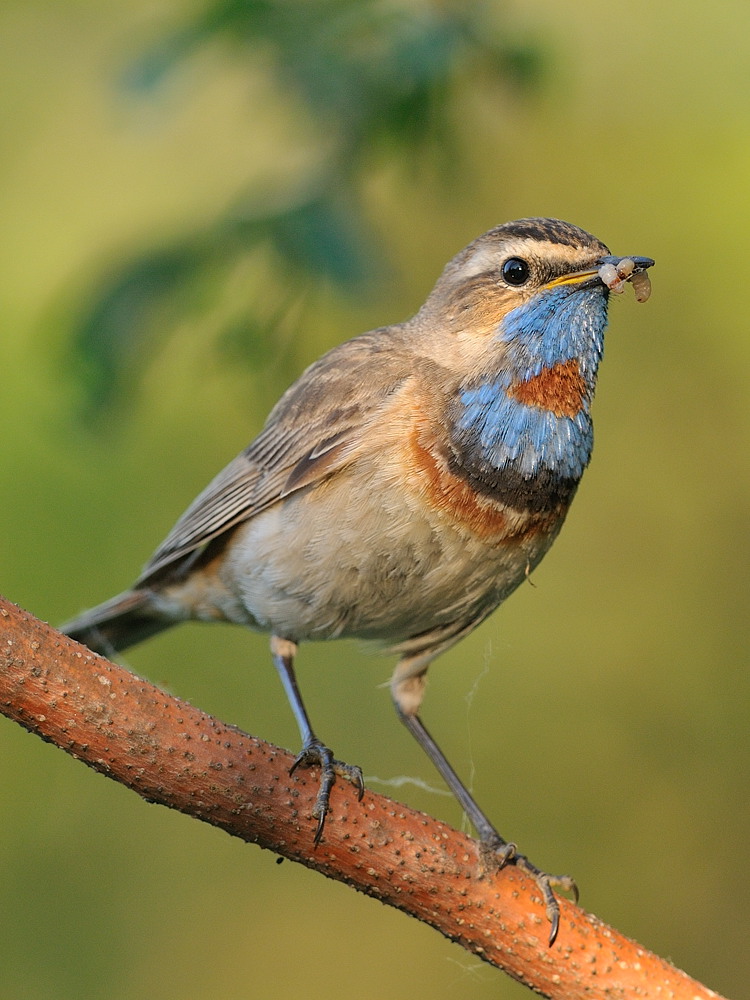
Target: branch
[[171, 753]]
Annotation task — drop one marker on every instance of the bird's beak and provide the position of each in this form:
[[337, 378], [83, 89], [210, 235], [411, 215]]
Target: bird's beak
[[604, 270], [641, 263]]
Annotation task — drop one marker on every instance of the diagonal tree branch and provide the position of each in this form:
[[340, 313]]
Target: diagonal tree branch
[[171, 753]]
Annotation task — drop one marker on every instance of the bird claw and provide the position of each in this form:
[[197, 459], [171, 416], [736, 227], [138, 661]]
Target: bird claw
[[504, 853], [315, 753]]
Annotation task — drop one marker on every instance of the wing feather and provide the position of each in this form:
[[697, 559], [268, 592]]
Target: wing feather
[[314, 430]]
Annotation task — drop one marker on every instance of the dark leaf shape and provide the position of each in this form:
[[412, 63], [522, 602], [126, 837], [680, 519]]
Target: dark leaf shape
[[376, 79], [129, 316], [108, 346], [322, 238]]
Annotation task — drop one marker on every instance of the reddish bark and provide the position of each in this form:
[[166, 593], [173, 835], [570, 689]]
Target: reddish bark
[[169, 752]]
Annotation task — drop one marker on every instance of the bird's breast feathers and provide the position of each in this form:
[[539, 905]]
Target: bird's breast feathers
[[460, 483], [561, 389]]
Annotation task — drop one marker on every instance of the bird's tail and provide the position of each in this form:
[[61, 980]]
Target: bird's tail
[[118, 623]]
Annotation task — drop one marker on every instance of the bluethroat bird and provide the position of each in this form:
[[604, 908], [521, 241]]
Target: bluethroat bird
[[404, 486]]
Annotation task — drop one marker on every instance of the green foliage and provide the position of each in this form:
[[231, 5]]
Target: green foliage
[[134, 308], [375, 80]]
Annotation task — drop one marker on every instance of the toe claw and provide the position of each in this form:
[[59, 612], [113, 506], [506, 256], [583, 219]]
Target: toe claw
[[316, 754], [504, 853], [303, 757], [319, 828], [554, 919], [568, 884], [358, 780], [546, 883]]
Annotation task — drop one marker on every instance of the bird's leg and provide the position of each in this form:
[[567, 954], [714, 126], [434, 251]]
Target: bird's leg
[[313, 750], [494, 847]]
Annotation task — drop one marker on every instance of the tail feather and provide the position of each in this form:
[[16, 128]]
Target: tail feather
[[118, 623]]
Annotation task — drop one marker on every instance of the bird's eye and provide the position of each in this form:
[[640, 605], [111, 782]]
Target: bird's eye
[[516, 271]]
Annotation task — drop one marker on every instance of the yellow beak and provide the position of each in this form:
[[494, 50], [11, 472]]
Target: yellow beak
[[572, 279]]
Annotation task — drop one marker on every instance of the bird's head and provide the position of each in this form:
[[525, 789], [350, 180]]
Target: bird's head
[[536, 288]]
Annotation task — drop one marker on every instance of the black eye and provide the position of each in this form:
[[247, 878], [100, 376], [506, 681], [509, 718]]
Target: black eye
[[516, 271]]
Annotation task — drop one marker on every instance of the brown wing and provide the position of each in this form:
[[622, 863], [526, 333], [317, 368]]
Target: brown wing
[[314, 430]]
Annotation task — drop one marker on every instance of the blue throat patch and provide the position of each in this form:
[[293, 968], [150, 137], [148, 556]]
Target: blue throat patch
[[494, 433]]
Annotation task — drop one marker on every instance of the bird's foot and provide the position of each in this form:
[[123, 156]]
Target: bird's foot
[[315, 753], [500, 853]]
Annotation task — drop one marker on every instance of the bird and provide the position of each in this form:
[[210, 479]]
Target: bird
[[403, 487]]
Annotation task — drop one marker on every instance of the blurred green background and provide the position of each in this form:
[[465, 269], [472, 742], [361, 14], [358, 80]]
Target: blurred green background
[[197, 199]]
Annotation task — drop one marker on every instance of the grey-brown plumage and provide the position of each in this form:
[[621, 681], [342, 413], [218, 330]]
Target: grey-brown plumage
[[403, 486]]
